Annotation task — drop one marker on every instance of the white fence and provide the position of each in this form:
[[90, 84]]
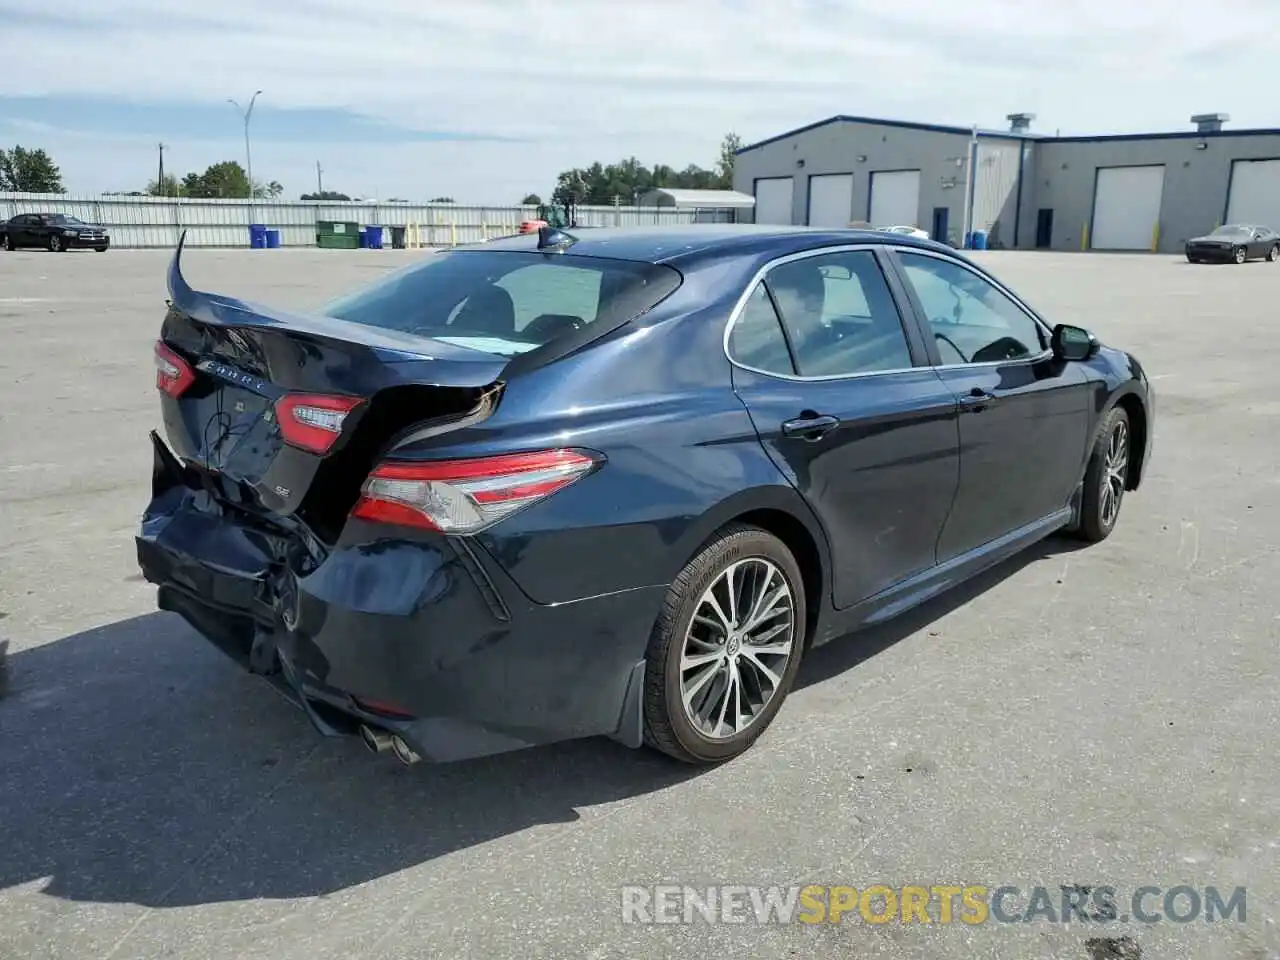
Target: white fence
[[158, 221]]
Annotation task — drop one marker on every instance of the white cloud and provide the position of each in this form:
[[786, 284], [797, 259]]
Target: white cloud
[[660, 79]]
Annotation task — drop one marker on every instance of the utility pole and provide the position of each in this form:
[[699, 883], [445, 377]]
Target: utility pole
[[248, 157], [319, 180], [971, 159], [160, 188]]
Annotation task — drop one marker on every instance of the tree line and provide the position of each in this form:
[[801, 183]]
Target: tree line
[[622, 182]]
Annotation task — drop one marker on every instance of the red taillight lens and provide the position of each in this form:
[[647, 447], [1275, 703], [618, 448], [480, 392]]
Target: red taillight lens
[[173, 374], [313, 421], [465, 496]]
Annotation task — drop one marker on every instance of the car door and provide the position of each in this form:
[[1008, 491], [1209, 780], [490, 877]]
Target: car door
[[20, 228], [1024, 416], [842, 396], [1261, 244]]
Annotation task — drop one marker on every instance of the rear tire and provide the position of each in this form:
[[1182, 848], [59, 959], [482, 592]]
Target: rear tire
[[714, 679], [99, 249], [1106, 477], [1274, 253], [1193, 259], [8, 243]]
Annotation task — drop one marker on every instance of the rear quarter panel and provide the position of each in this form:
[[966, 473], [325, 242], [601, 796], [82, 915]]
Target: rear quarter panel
[[683, 457]]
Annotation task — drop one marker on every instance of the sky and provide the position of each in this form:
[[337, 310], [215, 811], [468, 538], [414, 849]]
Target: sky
[[487, 100]]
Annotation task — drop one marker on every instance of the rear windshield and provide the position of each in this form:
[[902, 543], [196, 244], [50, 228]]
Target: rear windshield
[[506, 302]]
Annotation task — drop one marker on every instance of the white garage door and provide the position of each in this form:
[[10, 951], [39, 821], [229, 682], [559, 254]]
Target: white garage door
[[831, 200], [773, 200], [895, 198], [1255, 193], [1126, 208]]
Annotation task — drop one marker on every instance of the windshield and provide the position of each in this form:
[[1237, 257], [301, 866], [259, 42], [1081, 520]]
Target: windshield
[[504, 302], [1231, 231]]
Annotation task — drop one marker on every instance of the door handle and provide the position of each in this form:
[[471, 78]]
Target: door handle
[[810, 428], [977, 400]]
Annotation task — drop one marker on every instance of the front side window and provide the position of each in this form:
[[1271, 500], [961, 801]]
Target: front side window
[[839, 314], [506, 302], [971, 319]]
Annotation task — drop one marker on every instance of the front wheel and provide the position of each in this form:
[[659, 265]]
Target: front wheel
[[726, 647], [55, 244], [100, 249], [1274, 253], [1241, 254], [1106, 478]]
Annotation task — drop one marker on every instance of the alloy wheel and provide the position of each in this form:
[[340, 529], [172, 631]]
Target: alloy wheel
[[737, 648], [55, 244], [1115, 471], [1240, 255]]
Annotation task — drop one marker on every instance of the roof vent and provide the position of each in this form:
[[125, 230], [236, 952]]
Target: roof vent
[[1020, 122], [1209, 122]]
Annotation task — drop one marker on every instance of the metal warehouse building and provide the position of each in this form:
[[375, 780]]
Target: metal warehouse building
[[1147, 191]]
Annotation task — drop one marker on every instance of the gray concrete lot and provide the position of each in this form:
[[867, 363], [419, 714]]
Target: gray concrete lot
[[1096, 716]]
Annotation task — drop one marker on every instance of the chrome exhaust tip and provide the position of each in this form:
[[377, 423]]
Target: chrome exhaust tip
[[378, 741], [404, 753]]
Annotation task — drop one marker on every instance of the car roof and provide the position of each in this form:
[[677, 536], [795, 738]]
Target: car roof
[[687, 242]]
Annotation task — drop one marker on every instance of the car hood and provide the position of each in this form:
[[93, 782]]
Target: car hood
[[1208, 239]]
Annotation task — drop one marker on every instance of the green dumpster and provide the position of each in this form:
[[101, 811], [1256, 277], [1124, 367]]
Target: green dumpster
[[337, 234]]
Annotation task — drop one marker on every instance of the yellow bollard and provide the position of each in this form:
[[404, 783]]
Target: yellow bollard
[[1084, 237], [1155, 238]]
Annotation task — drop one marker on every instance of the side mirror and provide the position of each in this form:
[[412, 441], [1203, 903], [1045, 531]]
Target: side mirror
[[1074, 343]]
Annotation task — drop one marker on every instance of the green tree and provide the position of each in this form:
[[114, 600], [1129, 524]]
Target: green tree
[[29, 171], [268, 191], [442, 200], [729, 148], [170, 187], [325, 195], [531, 200], [225, 180]]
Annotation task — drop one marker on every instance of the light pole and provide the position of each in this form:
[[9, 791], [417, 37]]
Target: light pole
[[248, 157]]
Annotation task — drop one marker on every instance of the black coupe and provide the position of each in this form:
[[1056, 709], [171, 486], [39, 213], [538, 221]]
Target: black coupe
[[55, 232], [1235, 243]]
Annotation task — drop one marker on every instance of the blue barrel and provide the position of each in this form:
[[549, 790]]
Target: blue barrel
[[258, 236], [273, 239], [364, 239], [374, 235], [979, 240]]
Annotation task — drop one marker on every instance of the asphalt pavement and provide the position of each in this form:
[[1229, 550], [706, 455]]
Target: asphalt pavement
[[1099, 716]]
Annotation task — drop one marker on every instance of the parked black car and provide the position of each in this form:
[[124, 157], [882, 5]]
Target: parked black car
[[52, 231], [554, 487], [1235, 243]]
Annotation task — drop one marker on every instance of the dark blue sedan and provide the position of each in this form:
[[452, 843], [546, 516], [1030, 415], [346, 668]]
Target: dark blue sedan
[[616, 484]]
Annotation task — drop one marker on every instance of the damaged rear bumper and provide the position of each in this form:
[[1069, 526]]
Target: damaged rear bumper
[[426, 638]]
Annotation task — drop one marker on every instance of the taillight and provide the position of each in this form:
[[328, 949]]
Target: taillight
[[465, 496], [173, 374], [313, 421]]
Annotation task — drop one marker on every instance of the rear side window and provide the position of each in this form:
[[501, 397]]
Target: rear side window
[[756, 339], [840, 315], [507, 302]]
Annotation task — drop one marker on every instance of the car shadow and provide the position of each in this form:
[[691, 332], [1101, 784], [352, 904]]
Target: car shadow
[[845, 653], [141, 766]]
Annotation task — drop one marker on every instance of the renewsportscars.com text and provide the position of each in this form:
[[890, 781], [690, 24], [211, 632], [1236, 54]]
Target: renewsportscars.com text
[[934, 903]]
